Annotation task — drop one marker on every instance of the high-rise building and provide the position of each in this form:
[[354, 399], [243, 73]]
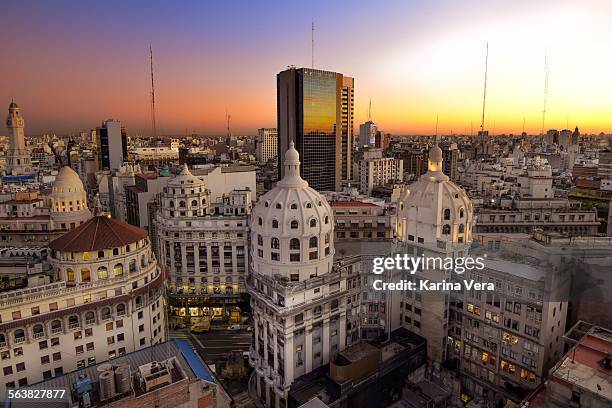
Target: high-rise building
[[367, 134], [267, 144], [315, 111], [18, 161], [378, 172], [112, 144]]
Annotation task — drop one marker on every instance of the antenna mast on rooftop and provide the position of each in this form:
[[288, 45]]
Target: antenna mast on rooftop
[[484, 94], [153, 125], [312, 30], [370, 111], [545, 91]]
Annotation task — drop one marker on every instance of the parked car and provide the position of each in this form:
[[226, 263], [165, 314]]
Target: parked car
[[179, 326], [234, 327]]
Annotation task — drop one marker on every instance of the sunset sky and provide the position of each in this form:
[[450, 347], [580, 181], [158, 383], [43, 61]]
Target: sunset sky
[[69, 65]]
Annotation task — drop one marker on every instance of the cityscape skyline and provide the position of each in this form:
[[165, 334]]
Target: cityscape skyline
[[204, 66]]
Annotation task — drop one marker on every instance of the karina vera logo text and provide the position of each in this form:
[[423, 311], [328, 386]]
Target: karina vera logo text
[[412, 265]]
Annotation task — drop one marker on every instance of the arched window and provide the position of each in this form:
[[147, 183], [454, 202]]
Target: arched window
[[274, 243], [446, 214], [143, 261], [106, 313], [294, 243], [171, 203], [102, 273], [194, 203], [294, 224], [446, 229], [132, 266], [182, 204], [120, 309], [278, 206], [327, 238], [85, 275], [203, 201], [19, 335], [326, 219], [461, 212], [294, 206], [118, 270], [259, 240], [138, 301], [274, 223], [461, 228], [69, 275], [38, 330], [313, 223], [260, 221], [228, 280], [308, 205], [90, 318], [86, 256], [115, 251], [267, 204], [313, 242], [100, 254]]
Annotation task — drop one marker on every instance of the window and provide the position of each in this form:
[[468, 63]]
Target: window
[[274, 243], [102, 273], [446, 229], [79, 349], [20, 367], [313, 223], [274, 223], [294, 224], [313, 242], [446, 214], [294, 244], [118, 270]]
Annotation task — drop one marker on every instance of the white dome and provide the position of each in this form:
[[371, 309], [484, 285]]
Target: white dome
[[185, 179], [292, 227], [434, 208], [68, 199], [67, 181]]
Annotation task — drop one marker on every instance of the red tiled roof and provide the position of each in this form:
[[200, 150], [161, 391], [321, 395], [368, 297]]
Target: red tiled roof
[[351, 204], [100, 232]]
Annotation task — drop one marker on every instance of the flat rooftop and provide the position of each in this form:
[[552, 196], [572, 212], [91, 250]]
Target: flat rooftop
[[587, 364]]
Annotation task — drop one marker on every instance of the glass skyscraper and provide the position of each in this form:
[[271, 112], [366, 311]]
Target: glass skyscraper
[[315, 110]]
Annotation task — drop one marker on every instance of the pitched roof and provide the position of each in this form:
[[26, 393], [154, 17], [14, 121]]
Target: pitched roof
[[100, 232]]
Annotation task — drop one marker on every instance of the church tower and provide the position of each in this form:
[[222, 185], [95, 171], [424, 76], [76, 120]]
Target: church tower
[[18, 160]]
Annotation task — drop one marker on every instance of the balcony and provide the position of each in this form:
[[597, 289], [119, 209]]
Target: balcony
[[56, 330], [20, 340], [3, 344], [73, 326], [38, 335], [90, 321]]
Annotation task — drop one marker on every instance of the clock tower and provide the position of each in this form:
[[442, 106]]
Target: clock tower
[[18, 161]]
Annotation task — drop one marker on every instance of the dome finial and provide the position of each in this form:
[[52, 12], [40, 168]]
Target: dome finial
[[292, 168]]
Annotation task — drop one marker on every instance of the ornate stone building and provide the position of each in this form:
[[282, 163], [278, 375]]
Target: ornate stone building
[[106, 300]]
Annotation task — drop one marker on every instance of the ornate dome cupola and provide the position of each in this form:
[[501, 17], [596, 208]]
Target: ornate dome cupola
[[185, 196], [434, 209], [292, 228]]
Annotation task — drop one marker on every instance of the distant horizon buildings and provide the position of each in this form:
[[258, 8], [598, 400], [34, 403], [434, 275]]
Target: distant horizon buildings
[[315, 111]]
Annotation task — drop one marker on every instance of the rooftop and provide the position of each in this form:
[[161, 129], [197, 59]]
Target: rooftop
[[100, 232], [187, 365], [587, 365]]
